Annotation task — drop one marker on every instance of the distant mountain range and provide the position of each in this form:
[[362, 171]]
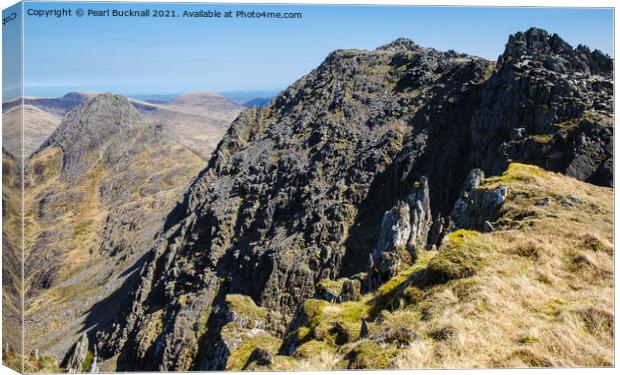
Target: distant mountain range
[[101, 170], [197, 119], [257, 102]]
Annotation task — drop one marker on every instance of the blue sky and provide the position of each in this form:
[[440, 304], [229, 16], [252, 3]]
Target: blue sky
[[163, 56]]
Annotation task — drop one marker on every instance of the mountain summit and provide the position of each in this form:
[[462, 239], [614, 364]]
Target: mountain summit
[[82, 130], [400, 44], [547, 104]]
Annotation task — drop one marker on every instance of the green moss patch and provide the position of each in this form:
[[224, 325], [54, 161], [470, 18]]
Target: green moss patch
[[312, 348], [90, 356], [462, 256], [370, 355], [332, 323], [239, 357], [332, 287], [542, 138], [518, 172], [245, 307], [389, 294], [42, 364]]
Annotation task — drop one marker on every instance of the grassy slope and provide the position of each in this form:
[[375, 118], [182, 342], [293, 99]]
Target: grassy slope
[[11, 264], [536, 292]]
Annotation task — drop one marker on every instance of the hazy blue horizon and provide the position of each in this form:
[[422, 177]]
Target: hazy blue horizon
[[153, 56]]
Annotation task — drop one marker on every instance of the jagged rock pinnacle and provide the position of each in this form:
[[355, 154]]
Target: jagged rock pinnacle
[[555, 53]]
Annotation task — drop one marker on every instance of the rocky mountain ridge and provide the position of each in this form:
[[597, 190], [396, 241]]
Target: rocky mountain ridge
[[309, 187]]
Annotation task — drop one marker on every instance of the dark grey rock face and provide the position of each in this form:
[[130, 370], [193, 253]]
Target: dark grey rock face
[[548, 104], [404, 229], [386, 258], [351, 291], [298, 191], [421, 218]]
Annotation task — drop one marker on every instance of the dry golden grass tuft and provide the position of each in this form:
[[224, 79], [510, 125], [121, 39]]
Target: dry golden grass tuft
[[322, 360]]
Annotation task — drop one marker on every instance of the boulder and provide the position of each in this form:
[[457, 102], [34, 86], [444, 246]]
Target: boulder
[[394, 235], [337, 291], [364, 329], [351, 291]]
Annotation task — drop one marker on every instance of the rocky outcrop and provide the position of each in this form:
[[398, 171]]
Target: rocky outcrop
[[321, 183], [386, 258], [337, 291], [404, 229], [325, 149], [93, 368], [421, 218], [242, 338], [476, 208], [351, 291], [75, 358], [547, 104], [259, 357]]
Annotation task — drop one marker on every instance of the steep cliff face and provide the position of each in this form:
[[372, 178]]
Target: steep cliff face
[[297, 191], [537, 291]]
